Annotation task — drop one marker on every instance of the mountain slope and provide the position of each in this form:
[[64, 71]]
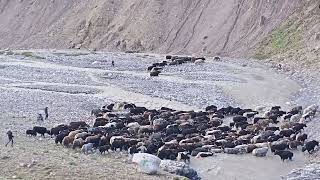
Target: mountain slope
[[230, 27]]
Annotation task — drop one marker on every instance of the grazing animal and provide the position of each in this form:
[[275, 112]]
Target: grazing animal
[[31, 132], [183, 156], [301, 137], [67, 141], [204, 154], [59, 138], [298, 127], [294, 144], [77, 143], [56, 130], [260, 152], [155, 73], [284, 154], [278, 147], [286, 132], [86, 148], [103, 149], [310, 146], [41, 130]]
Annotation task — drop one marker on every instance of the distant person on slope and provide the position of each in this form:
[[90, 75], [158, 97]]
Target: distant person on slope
[[46, 113], [10, 137], [112, 63]]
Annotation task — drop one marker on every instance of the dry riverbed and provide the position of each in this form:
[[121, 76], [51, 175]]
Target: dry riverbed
[[72, 83]]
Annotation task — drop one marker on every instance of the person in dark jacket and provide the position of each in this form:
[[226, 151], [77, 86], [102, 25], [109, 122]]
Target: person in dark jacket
[[10, 137], [46, 113], [112, 63]]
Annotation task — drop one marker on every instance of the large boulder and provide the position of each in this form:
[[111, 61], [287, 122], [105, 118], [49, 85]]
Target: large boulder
[[147, 163], [179, 168]]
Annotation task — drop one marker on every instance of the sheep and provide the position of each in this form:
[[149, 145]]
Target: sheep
[[284, 154], [41, 130], [272, 128], [117, 142], [93, 139], [217, 58], [250, 148], [296, 110], [278, 146], [255, 139], [250, 114], [31, 132], [310, 146], [260, 108], [56, 130], [155, 73], [231, 150], [312, 109], [76, 125], [301, 137], [261, 145], [197, 150], [298, 127], [286, 125], [183, 156], [103, 149], [96, 112], [212, 108], [260, 152], [286, 132], [199, 61], [295, 118], [72, 134], [67, 141], [294, 144], [86, 148], [204, 154], [59, 138], [142, 149], [82, 135], [242, 148], [238, 119], [77, 143]]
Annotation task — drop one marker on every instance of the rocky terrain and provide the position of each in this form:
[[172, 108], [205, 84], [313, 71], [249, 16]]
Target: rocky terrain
[[71, 83], [282, 35]]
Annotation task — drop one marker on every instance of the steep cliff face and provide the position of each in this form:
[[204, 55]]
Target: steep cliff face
[[229, 27]]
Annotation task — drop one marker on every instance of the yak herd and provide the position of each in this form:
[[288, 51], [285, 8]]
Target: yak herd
[[156, 68], [177, 135]]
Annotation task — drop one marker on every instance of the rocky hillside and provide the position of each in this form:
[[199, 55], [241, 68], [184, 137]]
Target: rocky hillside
[[230, 27]]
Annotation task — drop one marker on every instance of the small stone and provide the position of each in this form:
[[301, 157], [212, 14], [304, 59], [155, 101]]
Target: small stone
[[23, 165], [4, 157]]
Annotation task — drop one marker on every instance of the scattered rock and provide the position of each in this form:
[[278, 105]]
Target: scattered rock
[[311, 171], [4, 157], [23, 165], [179, 168]]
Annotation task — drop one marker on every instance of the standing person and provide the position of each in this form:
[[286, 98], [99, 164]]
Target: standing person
[[112, 63], [10, 137], [46, 113]]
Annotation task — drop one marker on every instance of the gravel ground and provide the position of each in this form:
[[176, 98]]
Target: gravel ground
[[72, 83]]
